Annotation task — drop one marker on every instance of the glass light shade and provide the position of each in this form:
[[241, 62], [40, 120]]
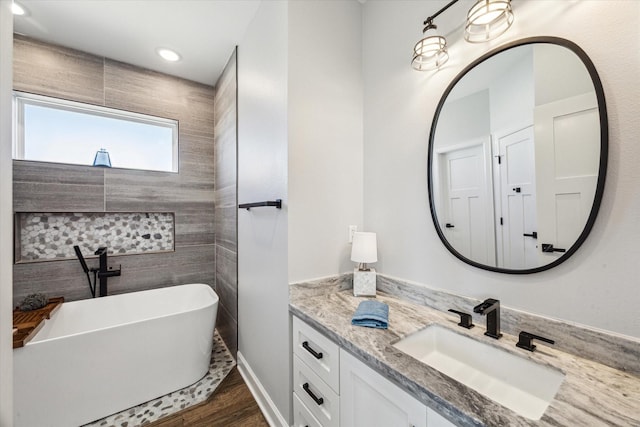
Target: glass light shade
[[488, 19], [430, 53], [364, 248], [102, 159]]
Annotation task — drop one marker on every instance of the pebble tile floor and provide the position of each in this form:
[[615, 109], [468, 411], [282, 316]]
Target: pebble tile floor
[[221, 364]]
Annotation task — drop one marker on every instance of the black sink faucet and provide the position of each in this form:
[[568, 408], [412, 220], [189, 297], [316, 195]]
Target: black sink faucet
[[491, 308], [103, 272]]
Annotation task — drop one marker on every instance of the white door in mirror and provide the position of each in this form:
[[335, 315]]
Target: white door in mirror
[[517, 190], [466, 200], [566, 189]]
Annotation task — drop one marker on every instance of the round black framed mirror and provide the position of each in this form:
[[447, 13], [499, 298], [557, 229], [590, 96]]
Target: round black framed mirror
[[518, 156]]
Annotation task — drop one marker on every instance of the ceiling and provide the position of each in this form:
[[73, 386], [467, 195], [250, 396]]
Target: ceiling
[[203, 32]]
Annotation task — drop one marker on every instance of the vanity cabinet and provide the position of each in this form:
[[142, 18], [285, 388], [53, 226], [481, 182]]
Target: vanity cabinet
[[333, 388], [316, 378]]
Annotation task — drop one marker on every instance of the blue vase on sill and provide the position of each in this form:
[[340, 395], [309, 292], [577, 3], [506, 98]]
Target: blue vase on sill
[[102, 159]]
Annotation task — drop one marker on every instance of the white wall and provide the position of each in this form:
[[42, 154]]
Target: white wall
[[569, 77], [325, 135], [598, 285], [300, 125], [475, 107], [263, 292], [6, 216], [512, 96]]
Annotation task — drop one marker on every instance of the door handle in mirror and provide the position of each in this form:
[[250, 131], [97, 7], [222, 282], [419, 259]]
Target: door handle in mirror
[[449, 225], [548, 247], [533, 234]]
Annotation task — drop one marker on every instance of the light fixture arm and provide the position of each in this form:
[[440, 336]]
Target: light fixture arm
[[428, 23]]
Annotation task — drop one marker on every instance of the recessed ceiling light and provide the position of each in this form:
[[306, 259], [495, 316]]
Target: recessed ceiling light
[[17, 9], [168, 54]]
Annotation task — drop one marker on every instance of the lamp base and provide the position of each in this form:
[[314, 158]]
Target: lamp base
[[364, 283]]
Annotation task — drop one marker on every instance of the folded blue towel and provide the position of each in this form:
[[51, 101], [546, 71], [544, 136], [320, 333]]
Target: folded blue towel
[[372, 314]]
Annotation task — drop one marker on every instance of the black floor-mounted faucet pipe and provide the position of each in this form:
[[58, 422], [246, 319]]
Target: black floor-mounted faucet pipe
[[102, 273]]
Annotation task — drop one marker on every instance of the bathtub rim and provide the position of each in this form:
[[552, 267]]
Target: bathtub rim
[[216, 300]]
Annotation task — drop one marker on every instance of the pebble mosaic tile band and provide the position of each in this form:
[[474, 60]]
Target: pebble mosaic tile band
[[50, 236], [221, 364]]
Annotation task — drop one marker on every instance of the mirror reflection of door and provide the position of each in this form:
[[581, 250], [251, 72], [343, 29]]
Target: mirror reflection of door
[[517, 226], [566, 189], [467, 200]]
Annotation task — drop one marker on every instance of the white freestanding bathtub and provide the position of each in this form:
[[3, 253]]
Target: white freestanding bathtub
[[100, 356]]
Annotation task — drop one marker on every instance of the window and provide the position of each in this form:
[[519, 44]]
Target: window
[[55, 130]]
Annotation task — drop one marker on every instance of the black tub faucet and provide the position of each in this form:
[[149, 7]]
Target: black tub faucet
[[491, 308], [103, 272]]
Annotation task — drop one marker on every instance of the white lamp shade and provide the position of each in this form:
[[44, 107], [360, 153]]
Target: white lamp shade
[[364, 248]]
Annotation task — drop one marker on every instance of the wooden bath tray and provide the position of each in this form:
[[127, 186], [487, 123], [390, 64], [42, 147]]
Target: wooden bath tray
[[27, 323]]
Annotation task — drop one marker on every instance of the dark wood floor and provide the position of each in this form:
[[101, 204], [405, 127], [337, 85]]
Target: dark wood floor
[[232, 404]]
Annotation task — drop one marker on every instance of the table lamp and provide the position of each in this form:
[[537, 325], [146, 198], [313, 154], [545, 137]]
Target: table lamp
[[363, 251]]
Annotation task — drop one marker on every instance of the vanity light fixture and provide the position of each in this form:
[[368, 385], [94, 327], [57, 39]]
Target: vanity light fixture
[[17, 9], [168, 54], [431, 52], [487, 19]]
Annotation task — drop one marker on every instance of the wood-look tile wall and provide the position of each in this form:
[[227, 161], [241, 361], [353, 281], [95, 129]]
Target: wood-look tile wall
[[226, 218], [46, 187]]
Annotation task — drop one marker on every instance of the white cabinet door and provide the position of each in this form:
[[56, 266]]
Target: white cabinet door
[[369, 400]]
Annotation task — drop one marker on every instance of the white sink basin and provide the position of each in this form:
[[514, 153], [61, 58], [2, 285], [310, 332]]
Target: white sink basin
[[521, 385]]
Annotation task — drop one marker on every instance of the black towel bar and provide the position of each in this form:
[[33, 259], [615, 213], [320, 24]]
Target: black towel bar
[[275, 203]]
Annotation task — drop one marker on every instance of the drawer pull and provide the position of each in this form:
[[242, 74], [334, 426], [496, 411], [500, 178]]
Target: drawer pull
[[319, 400], [312, 351]]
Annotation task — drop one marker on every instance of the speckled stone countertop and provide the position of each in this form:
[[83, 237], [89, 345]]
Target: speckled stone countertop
[[591, 394]]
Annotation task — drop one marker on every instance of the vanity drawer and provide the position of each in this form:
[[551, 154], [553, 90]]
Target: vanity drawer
[[315, 394], [318, 352], [302, 416]]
